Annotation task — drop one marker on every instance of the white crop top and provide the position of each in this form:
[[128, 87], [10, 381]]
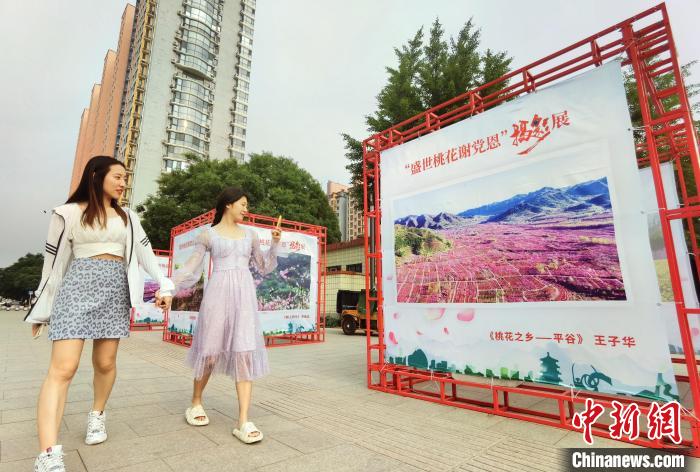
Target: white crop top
[[91, 241]]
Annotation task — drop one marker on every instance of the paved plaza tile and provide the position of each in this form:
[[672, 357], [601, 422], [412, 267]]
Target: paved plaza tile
[[314, 409]]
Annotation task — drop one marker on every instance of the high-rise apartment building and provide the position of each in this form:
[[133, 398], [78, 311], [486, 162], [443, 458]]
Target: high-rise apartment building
[[100, 121], [185, 90], [349, 217]]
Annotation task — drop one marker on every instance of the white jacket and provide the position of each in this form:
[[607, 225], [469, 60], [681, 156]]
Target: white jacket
[[58, 255]]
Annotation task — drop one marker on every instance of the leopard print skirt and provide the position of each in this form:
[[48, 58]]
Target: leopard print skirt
[[92, 301]]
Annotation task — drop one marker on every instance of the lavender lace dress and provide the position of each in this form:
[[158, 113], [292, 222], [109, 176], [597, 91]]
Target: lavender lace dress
[[228, 338]]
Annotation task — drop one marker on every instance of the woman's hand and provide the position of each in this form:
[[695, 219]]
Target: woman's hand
[[277, 231], [163, 302], [37, 329]]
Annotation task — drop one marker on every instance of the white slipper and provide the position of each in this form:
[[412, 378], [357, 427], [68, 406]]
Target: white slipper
[[193, 413], [244, 433]]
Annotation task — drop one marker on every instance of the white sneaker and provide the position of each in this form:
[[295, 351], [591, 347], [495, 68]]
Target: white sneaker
[[50, 460], [96, 428]]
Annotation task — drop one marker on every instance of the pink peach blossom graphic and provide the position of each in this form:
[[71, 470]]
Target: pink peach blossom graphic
[[392, 337], [466, 315], [433, 314]]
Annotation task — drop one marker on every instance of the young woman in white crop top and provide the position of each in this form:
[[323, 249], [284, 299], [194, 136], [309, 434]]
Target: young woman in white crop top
[[86, 292]]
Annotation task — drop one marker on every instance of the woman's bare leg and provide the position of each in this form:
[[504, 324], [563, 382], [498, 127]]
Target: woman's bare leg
[[65, 358], [104, 363], [198, 388], [244, 389]]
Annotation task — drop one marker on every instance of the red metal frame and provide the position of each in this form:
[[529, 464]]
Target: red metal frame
[[646, 43], [133, 326], [262, 221]]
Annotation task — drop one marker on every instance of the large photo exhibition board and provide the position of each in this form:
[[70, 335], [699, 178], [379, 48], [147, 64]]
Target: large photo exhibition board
[[287, 297], [667, 307], [182, 319], [147, 313], [511, 246]]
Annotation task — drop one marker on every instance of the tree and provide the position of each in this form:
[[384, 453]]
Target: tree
[[21, 277], [433, 79], [464, 69], [425, 76], [353, 153], [276, 185], [493, 66], [401, 97], [662, 82]]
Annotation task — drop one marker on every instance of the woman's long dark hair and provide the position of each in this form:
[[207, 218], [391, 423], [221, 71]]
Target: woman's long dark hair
[[227, 196], [90, 191]]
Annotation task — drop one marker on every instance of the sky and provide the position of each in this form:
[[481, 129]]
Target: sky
[[317, 68], [557, 172]]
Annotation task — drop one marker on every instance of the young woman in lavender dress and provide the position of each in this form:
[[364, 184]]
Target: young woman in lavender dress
[[228, 338]]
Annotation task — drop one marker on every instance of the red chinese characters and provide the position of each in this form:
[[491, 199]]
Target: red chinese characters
[[451, 155], [439, 159], [665, 421], [585, 419], [511, 336], [463, 151], [525, 132], [454, 154], [625, 421], [296, 246], [517, 336], [291, 245], [662, 421], [567, 338], [537, 129], [614, 341]]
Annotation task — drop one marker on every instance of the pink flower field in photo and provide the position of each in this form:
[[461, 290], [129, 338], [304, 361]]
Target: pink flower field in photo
[[549, 245]]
